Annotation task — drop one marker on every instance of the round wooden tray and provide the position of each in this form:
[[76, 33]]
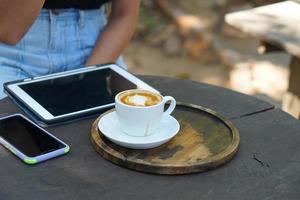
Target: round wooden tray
[[205, 141]]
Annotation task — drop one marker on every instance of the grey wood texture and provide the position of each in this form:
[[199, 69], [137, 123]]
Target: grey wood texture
[[275, 23], [226, 102], [267, 165]]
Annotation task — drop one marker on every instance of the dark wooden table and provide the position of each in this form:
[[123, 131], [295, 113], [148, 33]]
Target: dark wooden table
[[276, 25], [267, 165]]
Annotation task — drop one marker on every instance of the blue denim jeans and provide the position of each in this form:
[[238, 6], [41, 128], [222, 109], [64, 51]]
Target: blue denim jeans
[[59, 40]]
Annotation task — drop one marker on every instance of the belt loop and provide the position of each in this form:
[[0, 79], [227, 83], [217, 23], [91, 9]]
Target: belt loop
[[52, 22], [50, 15], [55, 11], [81, 19], [106, 8], [51, 44]]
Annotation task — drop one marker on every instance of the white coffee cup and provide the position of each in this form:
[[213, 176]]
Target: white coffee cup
[[141, 121]]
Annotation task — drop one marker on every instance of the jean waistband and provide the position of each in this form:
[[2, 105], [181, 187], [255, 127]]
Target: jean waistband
[[70, 13]]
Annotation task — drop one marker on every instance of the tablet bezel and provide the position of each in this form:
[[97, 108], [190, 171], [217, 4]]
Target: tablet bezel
[[44, 114]]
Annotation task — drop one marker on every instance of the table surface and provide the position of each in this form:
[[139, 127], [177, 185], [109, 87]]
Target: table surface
[[267, 165], [275, 23]]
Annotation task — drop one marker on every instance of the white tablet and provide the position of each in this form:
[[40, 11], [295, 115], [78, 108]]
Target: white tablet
[[75, 93]]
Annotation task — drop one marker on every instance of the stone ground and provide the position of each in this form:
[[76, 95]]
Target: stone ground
[[241, 67]]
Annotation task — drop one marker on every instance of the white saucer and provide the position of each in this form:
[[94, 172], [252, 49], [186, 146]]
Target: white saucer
[[109, 127]]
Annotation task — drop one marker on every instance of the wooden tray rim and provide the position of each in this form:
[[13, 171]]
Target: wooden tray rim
[[226, 154]]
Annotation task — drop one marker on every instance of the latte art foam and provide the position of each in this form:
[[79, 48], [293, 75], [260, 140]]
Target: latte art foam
[[140, 99], [137, 100]]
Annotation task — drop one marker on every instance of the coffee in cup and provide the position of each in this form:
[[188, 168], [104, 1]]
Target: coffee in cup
[[140, 98], [140, 112]]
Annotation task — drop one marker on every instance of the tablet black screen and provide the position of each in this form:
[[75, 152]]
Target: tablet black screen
[[79, 91]]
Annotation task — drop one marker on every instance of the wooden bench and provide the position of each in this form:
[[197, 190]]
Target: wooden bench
[[277, 26]]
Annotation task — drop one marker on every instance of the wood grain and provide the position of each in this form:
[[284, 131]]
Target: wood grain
[[205, 141]]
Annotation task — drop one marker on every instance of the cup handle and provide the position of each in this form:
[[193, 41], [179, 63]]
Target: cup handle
[[172, 105]]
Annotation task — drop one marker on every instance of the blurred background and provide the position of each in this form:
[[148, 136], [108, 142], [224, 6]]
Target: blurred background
[[189, 40]]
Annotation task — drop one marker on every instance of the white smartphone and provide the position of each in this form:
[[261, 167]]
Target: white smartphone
[[29, 142]]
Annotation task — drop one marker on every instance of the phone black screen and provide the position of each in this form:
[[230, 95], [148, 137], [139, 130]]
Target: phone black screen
[[26, 137], [79, 91]]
